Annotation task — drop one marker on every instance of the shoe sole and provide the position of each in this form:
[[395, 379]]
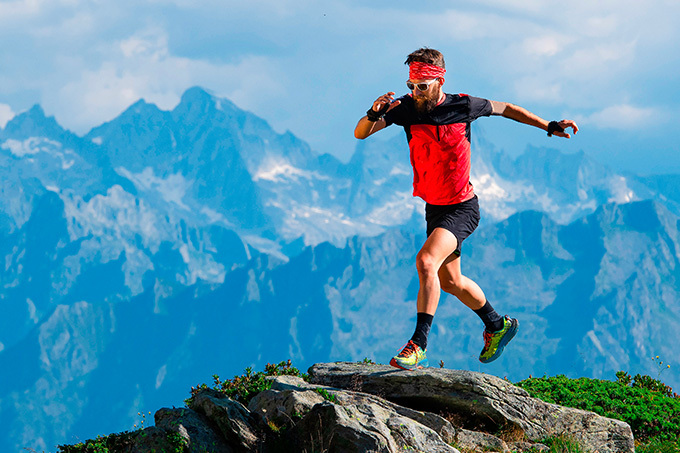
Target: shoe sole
[[503, 343], [419, 366]]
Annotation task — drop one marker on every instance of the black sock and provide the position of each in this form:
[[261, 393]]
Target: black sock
[[423, 325], [492, 320]]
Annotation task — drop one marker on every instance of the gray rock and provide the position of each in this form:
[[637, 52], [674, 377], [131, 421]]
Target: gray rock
[[521, 447], [292, 383], [477, 441], [193, 427], [322, 418], [362, 428], [481, 402], [347, 397], [231, 418], [284, 407]]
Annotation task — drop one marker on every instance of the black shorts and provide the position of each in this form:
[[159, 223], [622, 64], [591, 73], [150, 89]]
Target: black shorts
[[460, 219]]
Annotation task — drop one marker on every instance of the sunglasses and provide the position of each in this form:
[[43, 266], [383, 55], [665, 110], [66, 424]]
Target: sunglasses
[[422, 86]]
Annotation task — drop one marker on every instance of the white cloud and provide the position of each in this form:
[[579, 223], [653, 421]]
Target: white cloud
[[6, 114], [13, 9], [141, 66], [151, 44], [299, 64], [623, 116], [538, 89], [545, 45], [605, 59]]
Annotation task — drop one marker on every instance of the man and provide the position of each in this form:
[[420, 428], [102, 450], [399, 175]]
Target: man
[[437, 128]]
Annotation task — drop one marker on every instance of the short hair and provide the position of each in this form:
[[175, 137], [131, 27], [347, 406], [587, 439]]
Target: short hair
[[426, 55]]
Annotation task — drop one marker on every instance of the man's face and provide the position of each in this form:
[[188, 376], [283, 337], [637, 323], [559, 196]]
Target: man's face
[[426, 100]]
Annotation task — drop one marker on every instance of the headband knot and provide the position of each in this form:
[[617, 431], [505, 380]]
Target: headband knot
[[418, 70]]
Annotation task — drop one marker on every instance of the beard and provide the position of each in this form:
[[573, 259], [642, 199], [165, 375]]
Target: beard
[[424, 104]]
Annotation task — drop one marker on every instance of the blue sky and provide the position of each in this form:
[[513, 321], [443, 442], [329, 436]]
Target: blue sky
[[314, 67]]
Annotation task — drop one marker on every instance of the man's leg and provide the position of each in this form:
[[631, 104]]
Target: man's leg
[[454, 282], [436, 250], [498, 330], [439, 245]]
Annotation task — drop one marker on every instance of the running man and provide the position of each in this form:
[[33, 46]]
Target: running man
[[437, 128]]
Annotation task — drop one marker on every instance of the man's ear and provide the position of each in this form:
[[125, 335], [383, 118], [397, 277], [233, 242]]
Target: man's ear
[[441, 81]]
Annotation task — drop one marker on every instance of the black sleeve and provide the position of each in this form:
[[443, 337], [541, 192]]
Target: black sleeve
[[479, 107], [399, 114]]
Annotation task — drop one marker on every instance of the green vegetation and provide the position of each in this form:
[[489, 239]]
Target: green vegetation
[[121, 443], [562, 444], [327, 396], [244, 387], [648, 405], [557, 444]]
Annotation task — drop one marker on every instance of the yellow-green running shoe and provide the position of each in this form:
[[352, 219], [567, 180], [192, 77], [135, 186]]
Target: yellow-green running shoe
[[495, 342], [410, 358]]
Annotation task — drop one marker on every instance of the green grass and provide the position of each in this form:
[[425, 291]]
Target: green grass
[[650, 407], [243, 388], [563, 444], [121, 443]]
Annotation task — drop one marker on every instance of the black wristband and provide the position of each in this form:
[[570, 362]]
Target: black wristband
[[553, 127], [374, 116]]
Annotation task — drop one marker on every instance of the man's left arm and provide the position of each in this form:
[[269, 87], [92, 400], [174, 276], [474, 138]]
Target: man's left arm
[[522, 115]]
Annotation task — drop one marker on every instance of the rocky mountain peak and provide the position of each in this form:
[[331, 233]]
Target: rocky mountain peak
[[26, 124], [359, 407]]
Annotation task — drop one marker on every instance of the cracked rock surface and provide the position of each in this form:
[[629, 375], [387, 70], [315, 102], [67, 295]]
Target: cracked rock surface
[[479, 402]]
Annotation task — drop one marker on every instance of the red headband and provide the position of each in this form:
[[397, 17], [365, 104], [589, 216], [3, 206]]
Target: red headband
[[418, 70]]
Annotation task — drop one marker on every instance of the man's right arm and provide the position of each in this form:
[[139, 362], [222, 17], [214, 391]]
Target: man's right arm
[[366, 127]]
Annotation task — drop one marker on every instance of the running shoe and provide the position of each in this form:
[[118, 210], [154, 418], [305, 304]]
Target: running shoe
[[495, 342], [410, 358]]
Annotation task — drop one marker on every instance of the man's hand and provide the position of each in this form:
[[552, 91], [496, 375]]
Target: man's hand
[[564, 124], [380, 106], [384, 100]]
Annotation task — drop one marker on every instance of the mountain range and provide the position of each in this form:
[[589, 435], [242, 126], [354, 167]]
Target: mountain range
[[163, 247]]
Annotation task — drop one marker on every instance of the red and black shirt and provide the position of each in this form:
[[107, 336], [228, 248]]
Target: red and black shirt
[[440, 146]]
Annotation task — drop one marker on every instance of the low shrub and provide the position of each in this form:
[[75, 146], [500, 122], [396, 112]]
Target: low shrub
[[244, 387], [647, 405], [113, 443]]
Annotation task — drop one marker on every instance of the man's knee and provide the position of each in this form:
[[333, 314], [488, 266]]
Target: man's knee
[[426, 264]]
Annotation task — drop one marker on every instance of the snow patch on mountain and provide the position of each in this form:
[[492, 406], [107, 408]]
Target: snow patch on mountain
[[120, 223], [118, 213], [281, 171], [172, 188], [316, 223], [36, 145], [214, 217], [397, 210], [620, 191], [263, 245]]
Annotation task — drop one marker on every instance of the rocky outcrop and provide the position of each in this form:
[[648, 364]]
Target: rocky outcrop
[[358, 407], [479, 402], [342, 420]]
